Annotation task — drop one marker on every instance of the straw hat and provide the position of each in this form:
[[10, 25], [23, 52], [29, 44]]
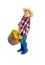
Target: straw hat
[[29, 10]]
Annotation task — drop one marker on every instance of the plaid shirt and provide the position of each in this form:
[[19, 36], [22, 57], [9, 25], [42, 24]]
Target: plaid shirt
[[25, 25]]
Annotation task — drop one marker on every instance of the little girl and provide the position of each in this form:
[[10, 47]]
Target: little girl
[[24, 27]]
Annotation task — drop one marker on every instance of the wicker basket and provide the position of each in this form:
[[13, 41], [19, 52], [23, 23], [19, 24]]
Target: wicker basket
[[12, 40]]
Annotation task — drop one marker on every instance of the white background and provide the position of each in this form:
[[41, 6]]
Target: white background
[[11, 12]]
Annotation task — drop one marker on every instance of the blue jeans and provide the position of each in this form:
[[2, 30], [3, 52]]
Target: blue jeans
[[24, 43]]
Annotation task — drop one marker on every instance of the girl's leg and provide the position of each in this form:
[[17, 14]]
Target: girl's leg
[[24, 44], [21, 49]]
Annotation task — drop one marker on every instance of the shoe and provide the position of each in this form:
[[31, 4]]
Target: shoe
[[19, 50], [24, 52]]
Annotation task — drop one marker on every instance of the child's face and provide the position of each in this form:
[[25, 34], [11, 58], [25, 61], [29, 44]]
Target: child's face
[[26, 14]]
